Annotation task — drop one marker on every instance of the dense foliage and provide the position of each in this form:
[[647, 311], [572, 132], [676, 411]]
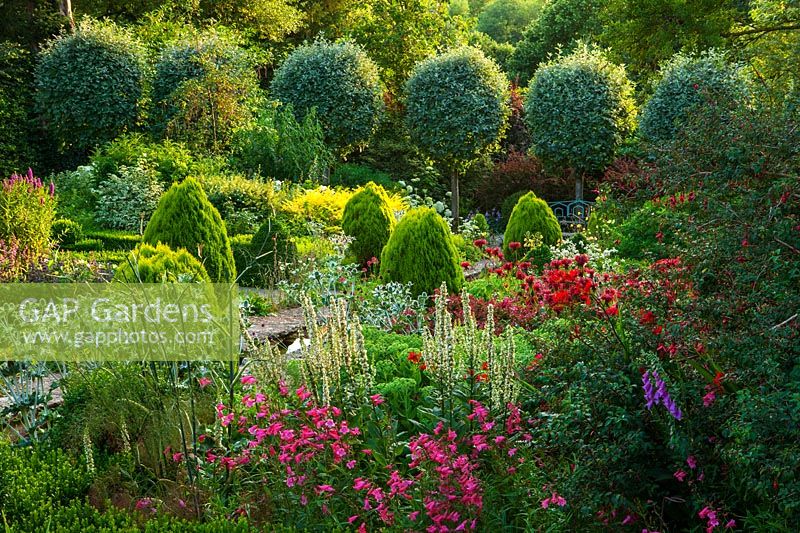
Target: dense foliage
[[456, 109], [277, 145], [89, 86], [531, 218], [341, 83], [186, 219], [687, 83], [579, 109], [158, 264], [368, 218], [421, 251], [27, 212], [270, 250], [561, 24]]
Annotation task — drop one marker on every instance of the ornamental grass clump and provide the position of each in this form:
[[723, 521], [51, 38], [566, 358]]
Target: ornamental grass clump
[[421, 251], [530, 216], [27, 212], [369, 220], [158, 264], [186, 219]]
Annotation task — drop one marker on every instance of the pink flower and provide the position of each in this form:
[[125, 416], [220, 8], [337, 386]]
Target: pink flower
[[680, 475], [248, 380], [177, 456], [730, 524], [322, 489], [709, 399], [352, 519], [413, 515], [691, 462], [377, 399], [554, 499], [204, 382]]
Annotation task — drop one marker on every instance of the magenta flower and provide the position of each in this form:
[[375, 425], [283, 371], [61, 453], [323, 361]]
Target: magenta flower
[[376, 399], [204, 382], [248, 380]]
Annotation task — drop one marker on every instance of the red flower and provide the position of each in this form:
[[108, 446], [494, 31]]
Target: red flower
[[480, 243], [415, 357], [464, 264], [514, 245]]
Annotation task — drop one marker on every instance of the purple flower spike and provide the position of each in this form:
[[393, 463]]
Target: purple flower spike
[[659, 394]]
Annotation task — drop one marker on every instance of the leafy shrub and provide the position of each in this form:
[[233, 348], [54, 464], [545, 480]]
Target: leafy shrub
[[531, 215], [200, 90], [186, 219], [240, 247], [148, 264], [234, 194], [66, 232], [456, 109], [561, 24], [270, 248], [519, 172], [87, 245], [278, 145], [127, 199], [578, 110], [341, 82], [82, 114], [686, 83], [651, 232], [27, 211], [369, 220], [34, 480], [76, 197], [421, 251], [169, 160], [353, 175]]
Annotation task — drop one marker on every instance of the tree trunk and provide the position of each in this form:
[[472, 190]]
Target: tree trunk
[[65, 6], [578, 184], [454, 200]]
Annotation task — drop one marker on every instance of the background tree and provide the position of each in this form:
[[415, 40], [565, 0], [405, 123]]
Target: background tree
[[201, 89], [398, 34], [560, 25], [457, 110], [505, 20], [341, 82], [689, 82], [579, 109], [89, 85], [683, 25]]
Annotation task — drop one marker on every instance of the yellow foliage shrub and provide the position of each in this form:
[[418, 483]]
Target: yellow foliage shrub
[[325, 205]]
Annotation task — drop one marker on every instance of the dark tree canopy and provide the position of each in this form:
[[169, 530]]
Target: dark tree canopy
[[341, 82]]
